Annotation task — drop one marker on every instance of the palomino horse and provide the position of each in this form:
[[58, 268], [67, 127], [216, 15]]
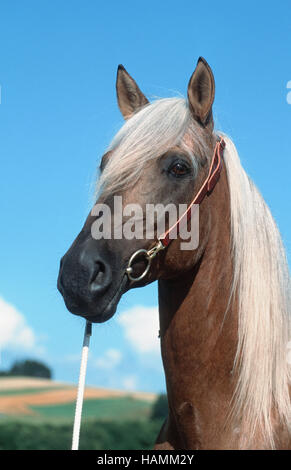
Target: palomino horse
[[224, 306]]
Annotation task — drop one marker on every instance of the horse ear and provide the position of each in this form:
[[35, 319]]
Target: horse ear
[[130, 98], [201, 89]]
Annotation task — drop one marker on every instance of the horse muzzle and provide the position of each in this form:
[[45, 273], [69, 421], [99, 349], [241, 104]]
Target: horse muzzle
[[86, 282]]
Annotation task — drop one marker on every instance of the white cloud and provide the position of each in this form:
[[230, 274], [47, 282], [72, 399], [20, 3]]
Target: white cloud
[[14, 331], [129, 383], [141, 325], [110, 359]]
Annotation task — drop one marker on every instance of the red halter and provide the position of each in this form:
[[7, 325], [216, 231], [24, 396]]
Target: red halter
[[165, 239], [206, 188]]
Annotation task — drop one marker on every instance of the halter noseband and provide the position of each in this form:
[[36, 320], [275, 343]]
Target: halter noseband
[[165, 239]]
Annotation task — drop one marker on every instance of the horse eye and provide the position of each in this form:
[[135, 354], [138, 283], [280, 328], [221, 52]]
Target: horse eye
[[179, 169]]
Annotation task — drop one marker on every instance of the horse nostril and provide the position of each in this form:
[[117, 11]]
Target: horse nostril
[[99, 273], [100, 278]]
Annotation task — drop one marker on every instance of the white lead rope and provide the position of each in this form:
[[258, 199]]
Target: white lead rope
[[81, 386]]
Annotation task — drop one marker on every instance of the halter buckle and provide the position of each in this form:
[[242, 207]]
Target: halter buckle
[[155, 249]]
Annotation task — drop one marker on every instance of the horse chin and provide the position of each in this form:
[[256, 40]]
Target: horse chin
[[103, 310], [105, 314], [103, 317]]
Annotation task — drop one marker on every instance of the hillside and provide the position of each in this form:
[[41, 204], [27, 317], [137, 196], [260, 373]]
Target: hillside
[[25, 396]]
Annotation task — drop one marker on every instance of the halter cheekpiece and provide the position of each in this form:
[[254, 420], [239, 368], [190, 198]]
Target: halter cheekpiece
[[165, 239]]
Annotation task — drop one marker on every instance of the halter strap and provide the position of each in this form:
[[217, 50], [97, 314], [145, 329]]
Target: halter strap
[[165, 239], [206, 188]]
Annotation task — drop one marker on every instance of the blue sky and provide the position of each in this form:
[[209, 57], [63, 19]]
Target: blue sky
[[58, 112]]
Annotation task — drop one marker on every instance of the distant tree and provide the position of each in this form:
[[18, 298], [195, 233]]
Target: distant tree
[[160, 407], [30, 368]]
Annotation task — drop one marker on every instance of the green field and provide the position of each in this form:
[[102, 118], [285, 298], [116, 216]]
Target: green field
[[95, 435], [107, 424], [117, 422], [123, 408], [24, 391]]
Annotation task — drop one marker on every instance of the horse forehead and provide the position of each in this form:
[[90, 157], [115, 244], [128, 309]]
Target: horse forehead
[[188, 141]]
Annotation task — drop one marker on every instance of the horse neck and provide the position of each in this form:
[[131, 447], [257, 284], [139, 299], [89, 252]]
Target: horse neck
[[198, 332]]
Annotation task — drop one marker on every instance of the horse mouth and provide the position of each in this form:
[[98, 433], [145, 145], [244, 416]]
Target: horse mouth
[[94, 316]]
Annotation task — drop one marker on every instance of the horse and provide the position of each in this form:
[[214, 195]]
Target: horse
[[224, 306]]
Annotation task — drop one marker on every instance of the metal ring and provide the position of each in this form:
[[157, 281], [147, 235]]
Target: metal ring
[[129, 269]]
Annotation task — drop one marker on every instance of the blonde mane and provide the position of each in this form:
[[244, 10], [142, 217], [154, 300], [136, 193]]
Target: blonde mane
[[261, 279]]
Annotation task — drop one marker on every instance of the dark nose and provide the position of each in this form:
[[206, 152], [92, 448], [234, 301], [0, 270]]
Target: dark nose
[[84, 275], [99, 272]]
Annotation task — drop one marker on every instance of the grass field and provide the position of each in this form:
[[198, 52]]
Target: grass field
[[104, 409], [38, 414], [48, 399]]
